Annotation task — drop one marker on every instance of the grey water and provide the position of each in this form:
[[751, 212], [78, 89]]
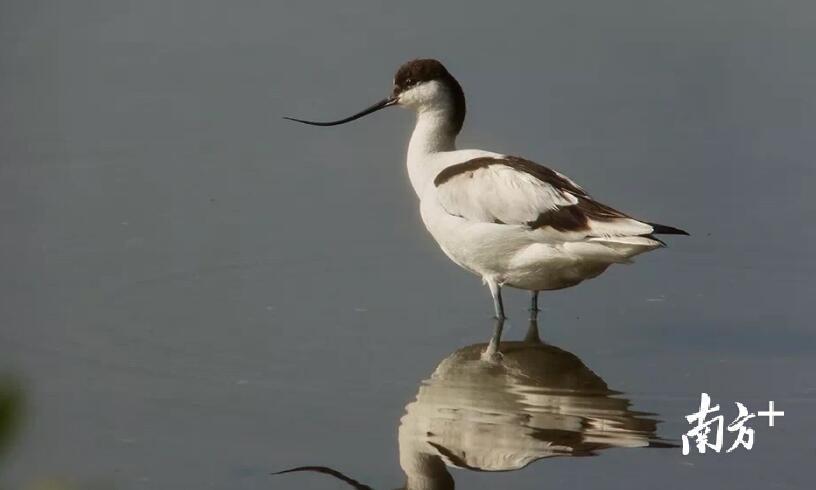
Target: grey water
[[195, 293]]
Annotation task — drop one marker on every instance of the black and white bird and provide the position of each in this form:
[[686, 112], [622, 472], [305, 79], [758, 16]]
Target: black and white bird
[[509, 220]]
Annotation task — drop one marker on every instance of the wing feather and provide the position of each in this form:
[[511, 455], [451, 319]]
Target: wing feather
[[514, 191]]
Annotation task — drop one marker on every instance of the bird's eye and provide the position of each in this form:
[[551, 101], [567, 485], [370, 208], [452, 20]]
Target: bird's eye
[[409, 82]]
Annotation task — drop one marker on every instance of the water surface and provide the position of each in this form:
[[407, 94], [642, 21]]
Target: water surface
[[195, 293]]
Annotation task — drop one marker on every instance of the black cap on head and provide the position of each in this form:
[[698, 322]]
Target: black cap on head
[[418, 71], [425, 70]]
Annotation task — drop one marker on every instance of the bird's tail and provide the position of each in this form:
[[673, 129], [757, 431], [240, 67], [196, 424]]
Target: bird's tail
[[622, 248], [666, 230]]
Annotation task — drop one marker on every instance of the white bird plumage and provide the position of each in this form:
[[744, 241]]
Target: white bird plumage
[[506, 219]]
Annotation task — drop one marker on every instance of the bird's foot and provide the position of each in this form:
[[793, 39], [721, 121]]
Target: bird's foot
[[493, 356]]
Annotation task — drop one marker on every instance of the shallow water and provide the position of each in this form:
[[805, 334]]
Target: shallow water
[[195, 293]]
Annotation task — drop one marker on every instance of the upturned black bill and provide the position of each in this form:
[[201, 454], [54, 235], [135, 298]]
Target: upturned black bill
[[387, 102]]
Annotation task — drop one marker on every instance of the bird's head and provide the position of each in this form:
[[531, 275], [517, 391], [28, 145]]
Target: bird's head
[[424, 85]]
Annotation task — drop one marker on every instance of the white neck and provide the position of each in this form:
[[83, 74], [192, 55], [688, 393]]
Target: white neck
[[433, 133]]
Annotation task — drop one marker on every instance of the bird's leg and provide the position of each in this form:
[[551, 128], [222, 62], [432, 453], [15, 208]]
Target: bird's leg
[[531, 337], [498, 305], [532, 330], [491, 353], [534, 306]]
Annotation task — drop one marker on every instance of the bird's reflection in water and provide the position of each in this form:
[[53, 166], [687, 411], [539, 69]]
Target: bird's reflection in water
[[536, 401]]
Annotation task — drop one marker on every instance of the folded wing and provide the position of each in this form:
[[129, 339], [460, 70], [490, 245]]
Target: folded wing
[[514, 191]]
